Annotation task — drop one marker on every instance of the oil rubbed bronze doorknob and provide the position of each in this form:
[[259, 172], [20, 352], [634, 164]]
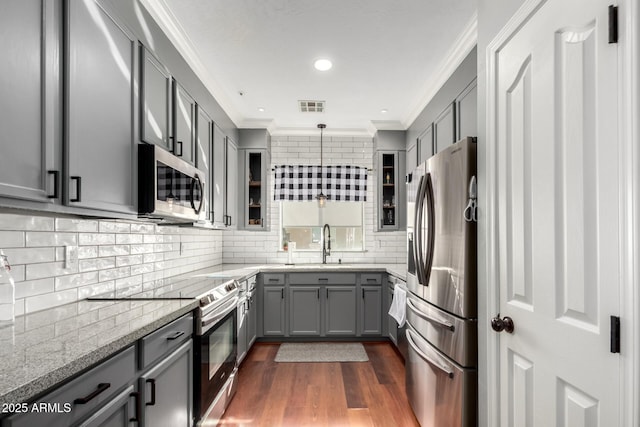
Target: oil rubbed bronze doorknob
[[502, 324]]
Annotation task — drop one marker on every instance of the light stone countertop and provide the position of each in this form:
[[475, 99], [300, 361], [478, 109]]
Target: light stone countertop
[[45, 348]]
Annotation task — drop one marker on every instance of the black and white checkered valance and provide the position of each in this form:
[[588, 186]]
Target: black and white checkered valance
[[339, 183]]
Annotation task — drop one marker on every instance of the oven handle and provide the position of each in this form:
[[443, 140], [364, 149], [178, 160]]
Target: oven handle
[[425, 316], [425, 357], [219, 313]]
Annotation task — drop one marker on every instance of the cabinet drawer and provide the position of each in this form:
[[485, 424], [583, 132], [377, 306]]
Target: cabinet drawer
[[85, 394], [273, 279], [165, 339], [322, 278], [371, 279]]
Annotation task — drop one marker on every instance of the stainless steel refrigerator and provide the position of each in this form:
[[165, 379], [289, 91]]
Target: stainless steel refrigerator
[[441, 366]]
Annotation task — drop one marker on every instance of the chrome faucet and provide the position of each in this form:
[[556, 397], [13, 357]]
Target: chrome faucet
[[326, 243]]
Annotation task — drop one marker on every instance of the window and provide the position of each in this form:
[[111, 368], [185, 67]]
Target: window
[[302, 223]]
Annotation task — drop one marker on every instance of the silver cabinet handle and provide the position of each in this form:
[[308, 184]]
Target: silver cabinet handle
[[425, 357], [442, 323]]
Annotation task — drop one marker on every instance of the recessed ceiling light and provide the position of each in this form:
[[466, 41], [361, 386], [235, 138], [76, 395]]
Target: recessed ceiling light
[[323, 64], [384, 111], [261, 109]]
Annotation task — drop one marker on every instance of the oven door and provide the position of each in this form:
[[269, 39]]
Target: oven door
[[216, 352]]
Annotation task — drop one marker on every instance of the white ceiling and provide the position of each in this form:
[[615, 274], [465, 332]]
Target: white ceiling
[[386, 54]]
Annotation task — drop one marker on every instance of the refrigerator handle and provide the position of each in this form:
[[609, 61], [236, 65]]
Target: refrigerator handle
[[431, 226], [417, 218]]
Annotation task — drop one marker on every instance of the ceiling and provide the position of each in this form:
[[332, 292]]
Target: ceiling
[[388, 55]]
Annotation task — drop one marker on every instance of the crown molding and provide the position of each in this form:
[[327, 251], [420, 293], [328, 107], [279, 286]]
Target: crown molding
[[458, 52], [161, 13]]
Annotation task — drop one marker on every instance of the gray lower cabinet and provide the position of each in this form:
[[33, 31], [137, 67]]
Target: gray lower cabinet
[[273, 321], [167, 390], [304, 311], [339, 313], [101, 92], [371, 310], [119, 411], [242, 330], [252, 320], [102, 396]]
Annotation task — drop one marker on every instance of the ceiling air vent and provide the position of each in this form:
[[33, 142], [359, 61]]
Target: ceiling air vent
[[311, 106]]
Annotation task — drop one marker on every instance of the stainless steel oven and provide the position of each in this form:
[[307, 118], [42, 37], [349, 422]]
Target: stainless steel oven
[[215, 352]]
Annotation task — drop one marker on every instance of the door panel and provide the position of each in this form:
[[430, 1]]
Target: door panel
[[558, 216]]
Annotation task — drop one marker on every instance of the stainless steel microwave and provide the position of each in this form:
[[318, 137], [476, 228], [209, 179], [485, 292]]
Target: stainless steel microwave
[[169, 187]]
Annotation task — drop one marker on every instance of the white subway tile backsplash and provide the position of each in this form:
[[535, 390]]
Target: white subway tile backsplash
[[78, 225], [113, 250], [75, 280], [96, 264], [87, 252], [114, 273], [114, 227], [30, 255], [127, 239], [96, 239], [143, 228], [11, 239], [17, 222], [34, 287], [122, 261], [47, 269], [36, 239], [54, 299]]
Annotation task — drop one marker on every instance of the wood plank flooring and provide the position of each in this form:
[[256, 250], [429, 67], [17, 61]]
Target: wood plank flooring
[[320, 394]]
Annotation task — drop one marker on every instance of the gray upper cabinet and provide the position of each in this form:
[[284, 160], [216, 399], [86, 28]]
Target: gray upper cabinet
[[425, 145], [100, 115], [155, 101], [231, 178], [466, 111], [204, 156], [31, 161], [391, 191], [184, 107], [412, 157], [254, 203], [218, 185], [444, 129]]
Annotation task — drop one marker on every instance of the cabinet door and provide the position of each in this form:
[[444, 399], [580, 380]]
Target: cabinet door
[[444, 129], [304, 310], [204, 147], [340, 311], [252, 322], [30, 164], [425, 145], [466, 111], [392, 325], [412, 158], [231, 196], [273, 316], [255, 201], [219, 173], [101, 94], [184, 108], [388, 197], [167, 390], [155, 100], [371, 310], [242, 331], [118, 412]]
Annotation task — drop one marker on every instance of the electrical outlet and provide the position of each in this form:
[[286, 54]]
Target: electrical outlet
[[70, 256]]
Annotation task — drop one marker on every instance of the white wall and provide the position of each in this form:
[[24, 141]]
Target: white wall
[[263, 247], [113, 256]]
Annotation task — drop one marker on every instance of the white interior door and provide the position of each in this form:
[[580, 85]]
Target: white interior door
[[557, 203]]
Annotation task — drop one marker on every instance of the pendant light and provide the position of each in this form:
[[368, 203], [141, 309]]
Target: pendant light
[[322, 199]]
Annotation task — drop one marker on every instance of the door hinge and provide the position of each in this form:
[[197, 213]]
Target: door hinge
[[613, 24], [615, 334]]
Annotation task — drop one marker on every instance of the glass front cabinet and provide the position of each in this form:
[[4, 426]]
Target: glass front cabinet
[[391, 170], [255, 189]]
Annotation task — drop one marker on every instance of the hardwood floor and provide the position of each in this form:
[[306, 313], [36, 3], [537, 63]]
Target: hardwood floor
[[320, 394]]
